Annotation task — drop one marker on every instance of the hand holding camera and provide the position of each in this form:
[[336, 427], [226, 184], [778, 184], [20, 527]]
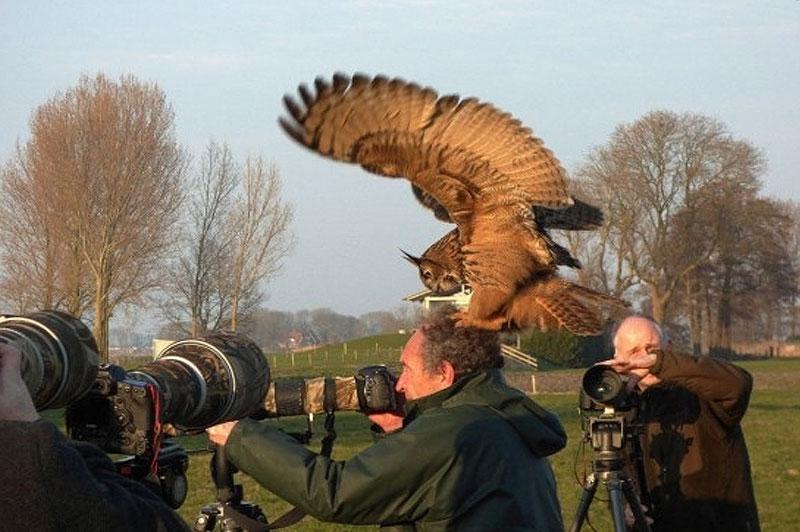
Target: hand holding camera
[[15, 400]]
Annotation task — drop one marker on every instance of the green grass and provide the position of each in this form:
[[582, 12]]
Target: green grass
[[341, 359]]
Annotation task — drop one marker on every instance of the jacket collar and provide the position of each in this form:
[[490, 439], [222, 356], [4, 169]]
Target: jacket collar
[[448, 395]]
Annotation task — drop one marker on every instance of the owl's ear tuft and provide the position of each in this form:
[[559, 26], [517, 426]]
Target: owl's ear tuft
[[411, 258]]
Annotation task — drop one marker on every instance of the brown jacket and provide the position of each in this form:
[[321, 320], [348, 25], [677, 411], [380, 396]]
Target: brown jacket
[[49, 483], [695, 457]]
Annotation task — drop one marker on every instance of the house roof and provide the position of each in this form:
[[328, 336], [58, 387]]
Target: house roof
[[418, 296]]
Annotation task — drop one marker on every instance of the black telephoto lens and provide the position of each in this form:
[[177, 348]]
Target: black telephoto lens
[[205, 381], [59, 355]]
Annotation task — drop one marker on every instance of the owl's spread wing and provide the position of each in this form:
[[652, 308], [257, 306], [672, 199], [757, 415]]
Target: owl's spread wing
[[551, 303], [456, 151]]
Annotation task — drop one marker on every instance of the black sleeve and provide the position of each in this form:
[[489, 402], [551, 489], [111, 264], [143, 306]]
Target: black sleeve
[[725, 386], [48, 482]]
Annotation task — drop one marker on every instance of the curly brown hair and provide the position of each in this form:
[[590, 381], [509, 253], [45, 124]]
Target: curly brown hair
[[468, 349]]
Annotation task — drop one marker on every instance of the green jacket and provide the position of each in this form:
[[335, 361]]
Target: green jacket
[[470, 457]]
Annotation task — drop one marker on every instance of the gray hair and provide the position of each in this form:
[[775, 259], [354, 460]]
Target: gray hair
[[468, 349]]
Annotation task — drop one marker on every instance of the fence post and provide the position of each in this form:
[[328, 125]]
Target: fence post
[[292, 358], [533, 383]]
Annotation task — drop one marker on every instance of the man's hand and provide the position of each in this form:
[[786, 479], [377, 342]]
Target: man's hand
[[219, 433], [15, 400], [638, 365], [388, 421]]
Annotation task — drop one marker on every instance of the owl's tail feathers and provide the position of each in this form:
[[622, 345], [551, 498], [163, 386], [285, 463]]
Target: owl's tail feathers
[[578, 216], [552, 303]]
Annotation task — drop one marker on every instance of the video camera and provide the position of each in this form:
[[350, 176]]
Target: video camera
[[609, 418], [608, 410]]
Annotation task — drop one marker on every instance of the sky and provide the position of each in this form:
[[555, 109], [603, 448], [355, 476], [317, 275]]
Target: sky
[[571, 71]]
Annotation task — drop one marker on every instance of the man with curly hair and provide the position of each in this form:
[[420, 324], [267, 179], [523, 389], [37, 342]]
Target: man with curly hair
[[469, 453]]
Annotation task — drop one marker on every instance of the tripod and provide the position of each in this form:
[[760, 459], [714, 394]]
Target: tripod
[[230, 512], [607, 436]]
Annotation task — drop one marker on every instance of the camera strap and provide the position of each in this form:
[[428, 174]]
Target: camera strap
[[330, 417], [156, 443], [330, 434]]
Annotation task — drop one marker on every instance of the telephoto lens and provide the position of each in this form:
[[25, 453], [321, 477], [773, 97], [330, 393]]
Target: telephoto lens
[[59, 355], [205, 381], [371, 390]]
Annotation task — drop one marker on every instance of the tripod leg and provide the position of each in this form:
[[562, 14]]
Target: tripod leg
[[617, 504], [583, 505], [636, 507]]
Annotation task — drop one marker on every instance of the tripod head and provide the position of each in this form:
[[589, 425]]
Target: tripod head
[[230, 512]]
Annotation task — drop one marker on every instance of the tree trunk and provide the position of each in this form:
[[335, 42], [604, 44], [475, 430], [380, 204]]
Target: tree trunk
[[659, 303], [234, 311], [724, 314], [101, 315], [710, 324], [695, 317]]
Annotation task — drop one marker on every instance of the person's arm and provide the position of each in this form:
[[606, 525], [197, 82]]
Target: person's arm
[[725, 386], [390, 482], [77, 484]]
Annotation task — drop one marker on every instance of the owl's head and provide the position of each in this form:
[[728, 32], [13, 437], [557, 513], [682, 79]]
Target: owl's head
[[436, 278]]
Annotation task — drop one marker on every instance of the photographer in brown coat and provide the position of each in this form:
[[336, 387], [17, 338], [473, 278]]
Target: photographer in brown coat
[[695, 459]]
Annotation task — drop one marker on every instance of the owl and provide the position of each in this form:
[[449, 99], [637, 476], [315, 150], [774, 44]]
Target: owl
[[440, 266], [472, 165]]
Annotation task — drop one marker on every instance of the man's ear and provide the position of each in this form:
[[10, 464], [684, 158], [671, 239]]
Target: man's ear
[[448, 372]]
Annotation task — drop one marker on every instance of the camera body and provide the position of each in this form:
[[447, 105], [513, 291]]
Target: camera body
[[121, 415], [375, 388], [118, 414]]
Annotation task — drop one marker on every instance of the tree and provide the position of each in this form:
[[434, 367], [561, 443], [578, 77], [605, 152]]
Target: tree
[[196, 290], [106, 156], [260, 229], [648, 172], [750, 281], [43, 267], [380, 322], [238, 233]]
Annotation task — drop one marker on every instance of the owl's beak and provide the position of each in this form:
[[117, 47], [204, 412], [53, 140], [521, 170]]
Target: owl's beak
[[410, 258]]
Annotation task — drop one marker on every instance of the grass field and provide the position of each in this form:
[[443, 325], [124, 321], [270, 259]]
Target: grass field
[[771, 427]]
